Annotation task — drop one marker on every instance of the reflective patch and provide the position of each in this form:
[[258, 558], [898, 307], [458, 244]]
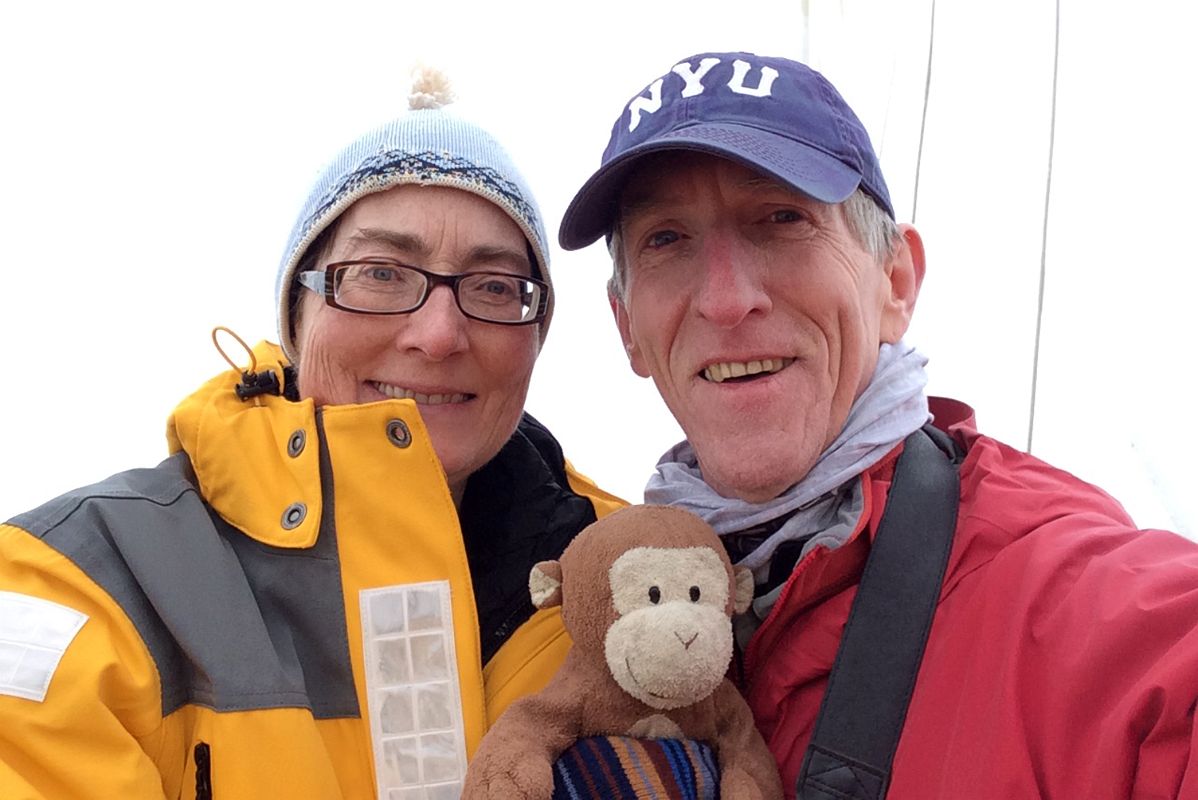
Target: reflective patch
[[412, 691], [34, 633]]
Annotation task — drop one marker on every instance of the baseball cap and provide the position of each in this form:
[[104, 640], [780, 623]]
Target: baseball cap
[[773, 115]]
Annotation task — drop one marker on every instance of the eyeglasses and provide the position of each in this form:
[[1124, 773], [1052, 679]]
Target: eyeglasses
[[384, 286]]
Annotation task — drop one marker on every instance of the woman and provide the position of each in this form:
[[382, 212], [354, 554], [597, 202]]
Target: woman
[[323, 592]]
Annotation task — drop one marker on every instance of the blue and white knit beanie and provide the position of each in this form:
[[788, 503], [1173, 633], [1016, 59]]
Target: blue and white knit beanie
[[427, 146]]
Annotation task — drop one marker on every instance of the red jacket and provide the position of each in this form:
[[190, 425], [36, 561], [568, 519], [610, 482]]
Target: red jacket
[[1062, 661]]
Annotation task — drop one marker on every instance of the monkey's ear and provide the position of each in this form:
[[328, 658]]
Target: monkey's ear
[[744, 589], [545, 584]]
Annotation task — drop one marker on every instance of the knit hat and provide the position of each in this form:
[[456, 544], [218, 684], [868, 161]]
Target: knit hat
[[428, 146], [773, 115]]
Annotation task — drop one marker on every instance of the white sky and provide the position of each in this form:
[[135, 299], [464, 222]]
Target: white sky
[[153, 157]]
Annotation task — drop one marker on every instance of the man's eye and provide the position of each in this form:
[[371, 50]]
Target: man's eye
[[662, 238], [785, 215]]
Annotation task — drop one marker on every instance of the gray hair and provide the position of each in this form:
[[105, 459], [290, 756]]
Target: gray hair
[[873, 228]]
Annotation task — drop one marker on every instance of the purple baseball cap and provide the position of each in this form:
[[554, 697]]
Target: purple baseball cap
[[772, 115]]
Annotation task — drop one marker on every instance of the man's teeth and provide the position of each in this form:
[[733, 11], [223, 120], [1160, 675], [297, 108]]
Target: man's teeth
[[718, 373], [421, 399]]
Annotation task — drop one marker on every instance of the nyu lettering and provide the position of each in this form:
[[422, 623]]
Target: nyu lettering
[[740, 69], [694, 80], [692, 84], [646, 104]]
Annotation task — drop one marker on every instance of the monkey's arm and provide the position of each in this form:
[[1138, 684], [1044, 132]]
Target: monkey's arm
[[515, 759], [747, 769]]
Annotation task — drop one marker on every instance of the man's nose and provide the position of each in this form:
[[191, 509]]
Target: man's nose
[[732, 280], [437, 328]]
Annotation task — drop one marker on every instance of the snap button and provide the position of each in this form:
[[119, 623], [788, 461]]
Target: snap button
[[293, 515], [295, 445], [398, 433]]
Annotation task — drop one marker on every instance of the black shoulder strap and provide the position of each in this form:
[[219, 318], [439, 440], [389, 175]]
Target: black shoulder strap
[[862, 715]]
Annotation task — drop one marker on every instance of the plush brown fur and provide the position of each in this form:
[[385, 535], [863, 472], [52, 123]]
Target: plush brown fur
[[647, 595]]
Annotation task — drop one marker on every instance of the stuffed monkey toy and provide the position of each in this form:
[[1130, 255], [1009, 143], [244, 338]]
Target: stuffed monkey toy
[[647, 595]]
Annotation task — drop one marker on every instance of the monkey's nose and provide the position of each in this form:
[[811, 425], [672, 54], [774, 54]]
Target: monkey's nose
[[687, 642]]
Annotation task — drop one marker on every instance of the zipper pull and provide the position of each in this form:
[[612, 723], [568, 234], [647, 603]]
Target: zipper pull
[[203, 759]]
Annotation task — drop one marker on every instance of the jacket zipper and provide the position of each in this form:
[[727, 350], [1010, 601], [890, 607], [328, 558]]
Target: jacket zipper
[[203, 759]]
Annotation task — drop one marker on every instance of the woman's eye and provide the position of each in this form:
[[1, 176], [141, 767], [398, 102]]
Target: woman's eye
[[381, 274], [498, 288], [491, 290]]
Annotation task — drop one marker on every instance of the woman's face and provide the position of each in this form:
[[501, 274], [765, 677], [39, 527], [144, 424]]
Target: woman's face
[[469, 378]]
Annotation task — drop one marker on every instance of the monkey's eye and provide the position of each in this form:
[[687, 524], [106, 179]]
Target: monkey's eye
[[654, 595], [695, 594]]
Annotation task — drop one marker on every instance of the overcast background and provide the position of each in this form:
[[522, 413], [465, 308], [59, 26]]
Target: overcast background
[[153, 157]]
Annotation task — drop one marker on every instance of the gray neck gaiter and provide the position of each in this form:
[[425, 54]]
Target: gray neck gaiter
[[892, 407]]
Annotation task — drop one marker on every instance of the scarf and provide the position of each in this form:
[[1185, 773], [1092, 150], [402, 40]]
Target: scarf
[[892, 407]]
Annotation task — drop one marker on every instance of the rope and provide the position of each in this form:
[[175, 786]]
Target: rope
[[1052, 131], [923, 122], [225, 356]]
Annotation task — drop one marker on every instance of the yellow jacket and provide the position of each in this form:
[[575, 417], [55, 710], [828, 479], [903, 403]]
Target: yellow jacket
[[206, 628]]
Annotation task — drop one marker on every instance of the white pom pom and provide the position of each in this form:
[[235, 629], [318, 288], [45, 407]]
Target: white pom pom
[[430, 89]]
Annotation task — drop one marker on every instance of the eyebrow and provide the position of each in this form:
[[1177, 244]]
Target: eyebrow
[[763, 182], [644, 202], [404, 242], [649, 198], [483, 255]]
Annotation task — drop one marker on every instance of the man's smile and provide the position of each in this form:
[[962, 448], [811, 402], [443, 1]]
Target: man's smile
[[728, 370]]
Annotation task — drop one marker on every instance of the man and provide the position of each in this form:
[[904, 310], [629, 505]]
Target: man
[[760, 280]]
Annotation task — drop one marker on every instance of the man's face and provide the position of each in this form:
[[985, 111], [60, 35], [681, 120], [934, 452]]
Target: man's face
[[756, 312], [469, 378]]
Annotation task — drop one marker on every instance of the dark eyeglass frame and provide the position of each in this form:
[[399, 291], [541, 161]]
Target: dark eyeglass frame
[[324, 282]]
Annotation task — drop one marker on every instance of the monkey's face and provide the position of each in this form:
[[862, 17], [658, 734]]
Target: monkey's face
[[671, 641]]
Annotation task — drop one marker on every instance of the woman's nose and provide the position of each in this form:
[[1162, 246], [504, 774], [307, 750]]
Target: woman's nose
[[437, 328]]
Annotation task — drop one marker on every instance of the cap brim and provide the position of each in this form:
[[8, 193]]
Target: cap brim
[[806, 169]]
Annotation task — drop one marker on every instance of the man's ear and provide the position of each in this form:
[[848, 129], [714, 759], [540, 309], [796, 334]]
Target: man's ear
[[904, 272], [744, 589], [620, 312], [545, 584]]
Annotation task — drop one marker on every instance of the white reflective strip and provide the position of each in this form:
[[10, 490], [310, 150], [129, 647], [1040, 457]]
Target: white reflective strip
[[412, 692], [34, 633]]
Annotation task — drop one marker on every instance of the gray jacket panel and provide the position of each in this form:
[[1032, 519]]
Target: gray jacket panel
[[231, 623]]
